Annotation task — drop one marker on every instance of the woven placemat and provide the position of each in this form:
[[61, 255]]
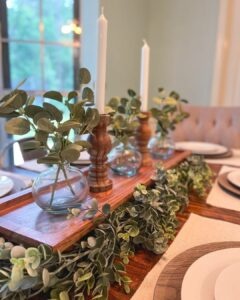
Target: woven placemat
[[169, 283]]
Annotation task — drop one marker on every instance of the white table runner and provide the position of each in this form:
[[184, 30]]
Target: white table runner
[[196, 231]]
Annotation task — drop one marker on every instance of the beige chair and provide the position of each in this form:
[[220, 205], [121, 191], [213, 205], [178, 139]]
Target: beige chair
[[219, 125]]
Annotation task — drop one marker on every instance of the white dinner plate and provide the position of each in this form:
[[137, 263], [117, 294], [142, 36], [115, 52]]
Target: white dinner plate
[[201, 148], [234, 178], [227, 285], [199, 280], [6, 185]]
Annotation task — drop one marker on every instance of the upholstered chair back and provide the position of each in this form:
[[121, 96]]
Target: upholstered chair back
[[219, 125]]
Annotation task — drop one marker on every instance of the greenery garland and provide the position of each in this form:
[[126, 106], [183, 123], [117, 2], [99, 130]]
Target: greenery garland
[[98, 260]]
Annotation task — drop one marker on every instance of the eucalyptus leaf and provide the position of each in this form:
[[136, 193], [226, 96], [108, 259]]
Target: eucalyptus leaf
[[54, 111], [84, 76], [53, 95], [72, 95], [87, 94], [30, 145], [66, 126], [18, 126], [45, 125], [32, 110], [71, 152]]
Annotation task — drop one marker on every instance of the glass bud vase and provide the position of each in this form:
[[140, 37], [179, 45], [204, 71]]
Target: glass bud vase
[[60, 187], [125, 160], [161, 146]]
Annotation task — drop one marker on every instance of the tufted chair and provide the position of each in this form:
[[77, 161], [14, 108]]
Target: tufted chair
[[219, 125]]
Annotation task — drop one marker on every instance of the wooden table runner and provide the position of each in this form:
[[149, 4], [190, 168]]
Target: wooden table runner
[[22, 221], [169, 283]]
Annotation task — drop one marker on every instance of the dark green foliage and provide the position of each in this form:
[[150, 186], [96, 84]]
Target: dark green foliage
[[124, 112], [169, 111]]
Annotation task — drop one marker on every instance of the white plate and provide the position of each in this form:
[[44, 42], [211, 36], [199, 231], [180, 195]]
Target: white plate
[[6, 185], [234, 178], [199, 280], [201, 148], [227, 285]]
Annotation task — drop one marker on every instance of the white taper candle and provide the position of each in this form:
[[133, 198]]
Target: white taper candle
[[145, 56], [101, 63]]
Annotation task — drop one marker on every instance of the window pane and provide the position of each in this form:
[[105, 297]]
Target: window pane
[[57, 19], [25, 63], [23, 19], [58, 68]]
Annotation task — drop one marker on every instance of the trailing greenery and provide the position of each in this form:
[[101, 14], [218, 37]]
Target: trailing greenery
[[124, 112], [169, 111], [148, 220]]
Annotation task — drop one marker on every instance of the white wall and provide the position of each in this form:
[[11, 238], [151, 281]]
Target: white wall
[[182, 36], [127, 26]]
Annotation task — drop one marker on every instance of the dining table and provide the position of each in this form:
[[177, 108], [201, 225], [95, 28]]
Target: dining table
[[143, 261]]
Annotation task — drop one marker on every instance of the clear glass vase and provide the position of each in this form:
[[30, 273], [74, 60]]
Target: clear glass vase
[[161, 146], [59, 188], [125, 160]]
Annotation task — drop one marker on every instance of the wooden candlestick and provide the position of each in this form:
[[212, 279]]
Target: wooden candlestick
[[143, 136], [101, 145]]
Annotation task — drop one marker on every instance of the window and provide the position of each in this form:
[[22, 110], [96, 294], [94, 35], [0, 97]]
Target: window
[[39, 41]]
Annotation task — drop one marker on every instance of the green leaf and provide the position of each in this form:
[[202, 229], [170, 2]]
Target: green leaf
[[41, 136], [66, 126], [113, 103], [92, 117], [45, 125], [13, 102], [88, 94], [71, 152], [32, 110], [84, 144], [50, 159], [64, 295], [131, 93], [54, 111], [41, 115], [72, 94], [30, 145], [84, 76], [106, 209], [85, 277], [53, 95], [17, 126]]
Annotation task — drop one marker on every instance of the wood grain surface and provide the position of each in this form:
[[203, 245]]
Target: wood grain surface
[[169, 283], [22, 221]]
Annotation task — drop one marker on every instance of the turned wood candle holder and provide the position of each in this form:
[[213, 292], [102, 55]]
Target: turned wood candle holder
[[143, 136], [101, 145]]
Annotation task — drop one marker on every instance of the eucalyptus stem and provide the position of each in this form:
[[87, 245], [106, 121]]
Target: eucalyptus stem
[[67, 180], [54, 185]]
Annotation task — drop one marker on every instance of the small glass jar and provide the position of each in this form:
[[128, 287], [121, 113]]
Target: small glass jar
[[125, 160], [59, 188], [161, 146]]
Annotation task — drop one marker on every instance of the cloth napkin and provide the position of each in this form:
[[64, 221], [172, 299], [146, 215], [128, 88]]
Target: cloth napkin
[[230, 161], [196, 231], [219, 198]]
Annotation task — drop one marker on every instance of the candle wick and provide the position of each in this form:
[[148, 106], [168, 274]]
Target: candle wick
[[102, 10]]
